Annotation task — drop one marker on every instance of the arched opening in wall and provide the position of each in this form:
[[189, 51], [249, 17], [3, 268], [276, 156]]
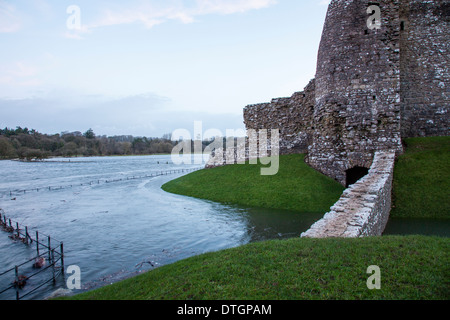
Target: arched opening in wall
[[354, 174], [402, 25]]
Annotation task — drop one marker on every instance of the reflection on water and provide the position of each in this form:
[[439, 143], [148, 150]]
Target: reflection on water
[[115, 230], [427, 227], [263, 224]]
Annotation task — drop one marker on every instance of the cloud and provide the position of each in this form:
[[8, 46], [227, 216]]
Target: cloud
[[9, 20], [140, 115], [324, 2], [150, 14], [231, 6], [77, 34], [19, 74]]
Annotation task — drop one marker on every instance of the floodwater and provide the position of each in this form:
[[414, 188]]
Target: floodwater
[[115, 220], [418, 226], [113, 230]]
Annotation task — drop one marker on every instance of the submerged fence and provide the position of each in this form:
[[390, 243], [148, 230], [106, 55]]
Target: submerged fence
[[51, 251], [48, 262], [16, 192]]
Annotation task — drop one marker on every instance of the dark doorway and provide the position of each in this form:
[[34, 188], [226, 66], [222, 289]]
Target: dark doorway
[[354, 174]]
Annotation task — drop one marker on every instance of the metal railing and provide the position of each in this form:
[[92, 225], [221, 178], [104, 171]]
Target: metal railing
[[53, 253], [17, 192]]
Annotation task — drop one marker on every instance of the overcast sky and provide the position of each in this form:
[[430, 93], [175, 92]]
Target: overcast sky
[[146, 68]]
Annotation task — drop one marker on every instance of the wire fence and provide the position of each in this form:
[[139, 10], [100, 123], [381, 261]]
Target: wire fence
[[18, 192], [47, 265]]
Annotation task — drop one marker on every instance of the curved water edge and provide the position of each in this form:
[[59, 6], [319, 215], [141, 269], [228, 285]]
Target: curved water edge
[[116, 230]]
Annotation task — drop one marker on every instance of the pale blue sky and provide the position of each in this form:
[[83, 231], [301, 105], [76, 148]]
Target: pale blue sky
[[149, 67]]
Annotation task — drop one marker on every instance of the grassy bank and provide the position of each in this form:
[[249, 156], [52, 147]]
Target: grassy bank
[[296, 186], [422, 179], [421, 183], [412, 267]]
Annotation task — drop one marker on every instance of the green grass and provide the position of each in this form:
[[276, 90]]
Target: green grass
[[421, 183], [296, 187], [412, 267], [422, 179]]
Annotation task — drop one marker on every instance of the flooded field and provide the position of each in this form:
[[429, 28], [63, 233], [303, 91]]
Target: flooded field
[[116, 229]]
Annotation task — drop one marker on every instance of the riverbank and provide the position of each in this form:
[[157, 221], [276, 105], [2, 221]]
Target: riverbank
[[421, 183], [68, 159], [296, 187], [412, 267]]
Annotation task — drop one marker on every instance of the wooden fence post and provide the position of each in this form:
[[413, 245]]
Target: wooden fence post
[[49, 248], [16, 269], [52, 261], [37, 243], [62, 258]]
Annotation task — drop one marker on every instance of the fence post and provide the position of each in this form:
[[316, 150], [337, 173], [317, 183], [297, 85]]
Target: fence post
[[37, 243], [49, 249], [62, 258], [17, 229], [53, 264], [16, 269]]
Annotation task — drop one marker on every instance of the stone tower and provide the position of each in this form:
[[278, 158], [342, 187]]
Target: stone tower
[[382, 75], [357, 110]]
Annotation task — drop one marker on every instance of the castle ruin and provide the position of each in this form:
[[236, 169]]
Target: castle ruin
[[374, 85]]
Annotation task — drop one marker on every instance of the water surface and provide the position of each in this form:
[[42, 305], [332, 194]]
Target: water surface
[[115, 220], [113, 230]]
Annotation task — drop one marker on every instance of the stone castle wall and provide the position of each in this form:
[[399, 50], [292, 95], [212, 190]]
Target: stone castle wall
[[424, 67], [292, 116], [373, 87]]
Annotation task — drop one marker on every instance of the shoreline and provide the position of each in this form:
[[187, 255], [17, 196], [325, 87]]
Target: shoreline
[[50, 159]]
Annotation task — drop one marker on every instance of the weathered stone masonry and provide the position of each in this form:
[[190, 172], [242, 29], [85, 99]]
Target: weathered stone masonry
[[363, 209], [424, 65], [372, 88], [357, 110], [292, 116]]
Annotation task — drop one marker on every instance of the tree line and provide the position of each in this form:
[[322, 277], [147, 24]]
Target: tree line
[[23, 143]]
